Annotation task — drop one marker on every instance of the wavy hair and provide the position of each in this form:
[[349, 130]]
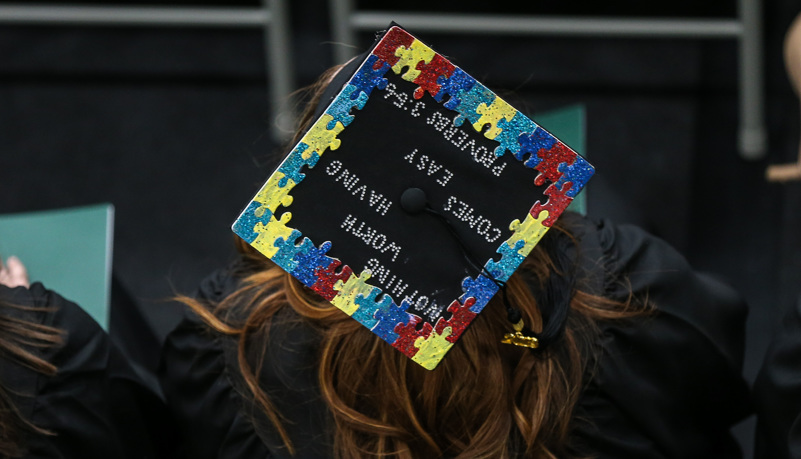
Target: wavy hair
[[21, 342], [484, 400]]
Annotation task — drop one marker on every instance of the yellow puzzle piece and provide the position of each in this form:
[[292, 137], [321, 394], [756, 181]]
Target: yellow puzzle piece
[[493, 113], [432, 349], [530, 232], [271, 195], [349, 290], [269, 233], [417, 52], [319, 138]]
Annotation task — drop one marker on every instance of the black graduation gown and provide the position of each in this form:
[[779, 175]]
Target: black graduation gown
[[668, 385], [96, 405], [777, 392]]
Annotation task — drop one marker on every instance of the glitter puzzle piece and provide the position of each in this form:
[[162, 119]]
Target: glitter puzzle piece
[[492, 114], [388, 318], [461, 316], [269, 233], [309, 261], [511, 134], [291, 167], [559, 155], [431, 349], [341, 107], [510, 259], [287, 250], [328, 277], [470, 101], [350, 289], [244, 226], [530, 231], [368, 307], [558, 200], [456, 87], [273, 194], [430, 75], [385, 49], [481, 290], [578, 174], [369, 76], [320, 138], [408, 334], [410, 57], [532, 144]]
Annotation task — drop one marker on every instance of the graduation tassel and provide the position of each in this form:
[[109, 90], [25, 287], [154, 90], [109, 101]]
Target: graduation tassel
[[522, 336]]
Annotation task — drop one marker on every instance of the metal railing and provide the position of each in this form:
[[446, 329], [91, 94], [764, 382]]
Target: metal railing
[[272, 17], [346, 21]]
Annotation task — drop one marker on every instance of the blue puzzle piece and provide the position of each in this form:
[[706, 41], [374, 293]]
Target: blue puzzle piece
[[287, 250], [294, 162], [579, 173], [309, 261], [367, 307], [510, 259], [341, 107], [481, 288], [470, 101], [367, 78], [538, 140], [455, 86], [509, 138], [390, 317], [243, 226]]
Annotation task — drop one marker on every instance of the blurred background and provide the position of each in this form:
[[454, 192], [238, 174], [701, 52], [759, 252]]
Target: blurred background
[[178, 122]]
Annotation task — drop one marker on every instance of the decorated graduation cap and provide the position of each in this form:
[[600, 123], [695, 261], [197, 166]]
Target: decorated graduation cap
[[413, 197]]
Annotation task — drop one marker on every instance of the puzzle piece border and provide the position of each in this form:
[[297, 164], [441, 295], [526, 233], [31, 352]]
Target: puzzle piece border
[[450, 86]]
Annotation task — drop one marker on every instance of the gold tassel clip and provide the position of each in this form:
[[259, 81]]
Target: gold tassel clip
[[519, 339]]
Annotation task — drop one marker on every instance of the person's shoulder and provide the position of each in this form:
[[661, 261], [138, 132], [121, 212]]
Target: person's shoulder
[[95, 403], [196, 369], [682, 358], [81, 331], [192, 330], [635, 261], [39, 305], [624, 247], [223, 281]]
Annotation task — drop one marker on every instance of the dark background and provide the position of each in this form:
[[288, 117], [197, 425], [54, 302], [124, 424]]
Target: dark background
[[173, 127]]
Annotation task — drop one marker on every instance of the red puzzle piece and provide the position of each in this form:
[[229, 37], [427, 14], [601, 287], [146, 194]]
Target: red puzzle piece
[[408, 334], [327, 277], [429, 73], [385, 50], [557, 203], [461, 318], [552, 158]]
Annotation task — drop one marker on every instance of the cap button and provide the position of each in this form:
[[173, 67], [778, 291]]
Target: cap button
[[414, 201]]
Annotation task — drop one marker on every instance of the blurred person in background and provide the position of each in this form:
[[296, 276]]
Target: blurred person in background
[[65, 389]]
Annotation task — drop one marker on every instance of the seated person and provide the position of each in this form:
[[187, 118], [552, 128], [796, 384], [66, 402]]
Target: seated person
[[65, 389], [638, 356]]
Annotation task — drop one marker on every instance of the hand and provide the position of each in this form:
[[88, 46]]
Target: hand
[[13, 273]]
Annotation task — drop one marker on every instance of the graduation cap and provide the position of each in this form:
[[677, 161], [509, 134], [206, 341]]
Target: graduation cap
[[414, 195]]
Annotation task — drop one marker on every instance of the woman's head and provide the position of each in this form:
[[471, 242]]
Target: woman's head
[[485, 399]]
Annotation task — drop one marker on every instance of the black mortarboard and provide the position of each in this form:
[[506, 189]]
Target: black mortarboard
[[413, 197]]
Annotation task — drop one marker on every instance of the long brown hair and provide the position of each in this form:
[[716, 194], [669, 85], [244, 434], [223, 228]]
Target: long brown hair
[[21, 342], [485, 399]]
